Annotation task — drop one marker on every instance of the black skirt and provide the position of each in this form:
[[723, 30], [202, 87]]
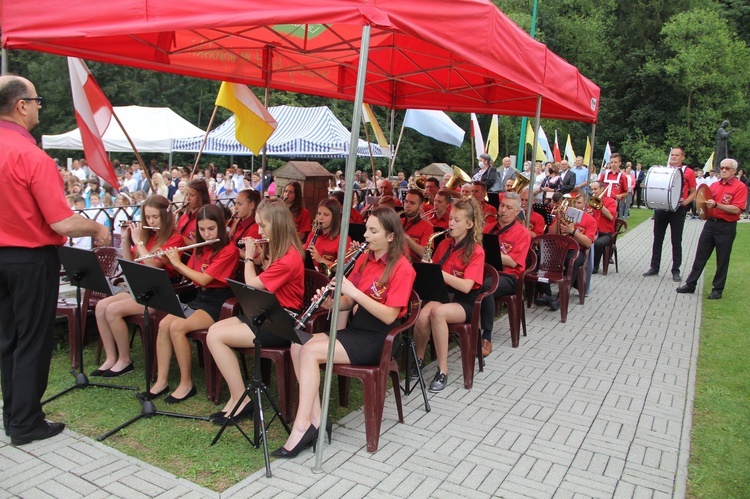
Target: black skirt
[[210, 300]]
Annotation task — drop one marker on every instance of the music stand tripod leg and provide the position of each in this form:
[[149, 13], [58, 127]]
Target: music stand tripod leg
[[407, 388]]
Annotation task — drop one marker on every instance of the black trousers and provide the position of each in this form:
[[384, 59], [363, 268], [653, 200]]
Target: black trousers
[[506, 286], [676, 222], [718, 235], [29, 285], [601, 242], [638, 194]]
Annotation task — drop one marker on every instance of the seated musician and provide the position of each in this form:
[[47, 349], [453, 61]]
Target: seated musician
[[324, 248], [386, 189], [605, 222], [440, 217], [466, 190], [244, 225], [110, 312], [355, 217], [584, 233], [283, 275], [515, 241], [461, 258], [489, 212], [208, 268], [196, 195], [417, 231], [431, 188], [537, 222], [377, 292], [293, 199]]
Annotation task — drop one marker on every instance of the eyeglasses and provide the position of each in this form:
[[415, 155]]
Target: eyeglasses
[[726, 168], [39, 100]]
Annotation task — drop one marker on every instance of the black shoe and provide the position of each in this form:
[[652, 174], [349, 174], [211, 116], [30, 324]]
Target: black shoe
[[651, 271], [595, 271], [220, 420], [175, 400], [307, 440], [439, 382], [113, 374], [215, 415], [152, 396], [48, 429], [554, 305], [417, 368], [676, 276], [543, 300], [686, 288], [99, 372], [715, 295]]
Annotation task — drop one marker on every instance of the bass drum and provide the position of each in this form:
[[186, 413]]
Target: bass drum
[[663, 188]]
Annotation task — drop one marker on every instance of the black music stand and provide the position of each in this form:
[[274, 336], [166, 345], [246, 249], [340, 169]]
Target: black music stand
[[84, 271], [492, 251], [150, 287], [357, 232], [267, 313]]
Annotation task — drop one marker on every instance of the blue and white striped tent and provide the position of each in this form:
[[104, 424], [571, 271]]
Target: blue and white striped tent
[[302, 132]]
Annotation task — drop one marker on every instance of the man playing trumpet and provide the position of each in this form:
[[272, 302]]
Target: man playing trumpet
[[440, 214], [604, 211]]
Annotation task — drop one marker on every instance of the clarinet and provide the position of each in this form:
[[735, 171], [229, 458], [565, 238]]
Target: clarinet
[[348, 266]]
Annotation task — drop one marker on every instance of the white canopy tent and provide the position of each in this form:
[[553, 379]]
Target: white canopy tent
[[153, 129], [302, 132]]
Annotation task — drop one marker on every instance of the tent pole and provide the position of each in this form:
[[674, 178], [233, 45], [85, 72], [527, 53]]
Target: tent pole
[[351, 164], [203, 144], [264, 159], [369, 147], [591, 159], [532, 172], [4, 64], [135, 150], [391, 131], [393, 159]]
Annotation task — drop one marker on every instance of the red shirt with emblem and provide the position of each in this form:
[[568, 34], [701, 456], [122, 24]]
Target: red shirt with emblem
[[688, 181], [455, 265], [174, 241], [393, 293], [602, 224], [35, 191], [515, 242], [328, 248], [286, 279], [733, 192], [419, 231], [187, 226], [220, 266], [614, 183]]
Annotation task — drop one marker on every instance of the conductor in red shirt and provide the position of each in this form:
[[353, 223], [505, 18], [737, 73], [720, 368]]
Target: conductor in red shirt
[[30, 232]]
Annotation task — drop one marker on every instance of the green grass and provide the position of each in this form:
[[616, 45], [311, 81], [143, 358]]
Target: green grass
[[720, 449], [637, 216], [179, 446]]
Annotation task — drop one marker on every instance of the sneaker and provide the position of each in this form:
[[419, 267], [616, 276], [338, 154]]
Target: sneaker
[[440, 381], [417, 368]]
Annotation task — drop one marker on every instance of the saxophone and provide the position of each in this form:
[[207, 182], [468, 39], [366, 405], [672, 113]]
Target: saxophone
[[430, 247]]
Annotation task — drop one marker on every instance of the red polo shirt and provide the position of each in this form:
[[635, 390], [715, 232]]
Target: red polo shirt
[[286, 279], [489, 214], [33, 189], [602, 224], [587, 227], [515, 242], [455, 265], [303, 222], [688, 181], [174, 241], [187, 226], [537, 224], [356, 217], [618, 182], [393, 293], [419, 231], [733, 192], [441, 222], [220, 266], [328, 248], [245, 228]]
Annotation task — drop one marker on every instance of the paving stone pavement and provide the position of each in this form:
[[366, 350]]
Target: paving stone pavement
[[598, 407]]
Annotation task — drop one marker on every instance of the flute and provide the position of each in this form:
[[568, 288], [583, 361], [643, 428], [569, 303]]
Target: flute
[[160, 253], [262, 240], [126, 223]]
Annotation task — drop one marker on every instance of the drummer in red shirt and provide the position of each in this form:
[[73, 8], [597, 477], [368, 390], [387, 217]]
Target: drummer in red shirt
[[675, 219], [605, 222], [441, 213], [583, 232], [729, 200], [323, 243], [417, 231]]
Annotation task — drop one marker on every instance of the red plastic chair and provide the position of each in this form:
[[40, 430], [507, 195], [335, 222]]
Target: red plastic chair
[[107, 256], [469, 339], [514, 302], [375, 378], [610, 251], [552, 251]]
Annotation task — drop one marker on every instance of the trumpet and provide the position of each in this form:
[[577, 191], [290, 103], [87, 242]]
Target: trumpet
[[160, 253], [596, 202], [262, 240], [428, 215], [348, 267]]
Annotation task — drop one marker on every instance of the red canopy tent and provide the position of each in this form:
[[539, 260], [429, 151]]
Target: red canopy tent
[[454, 55]]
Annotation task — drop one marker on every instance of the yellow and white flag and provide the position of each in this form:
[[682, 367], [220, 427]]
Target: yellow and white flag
[[253, 124], [370, 118]]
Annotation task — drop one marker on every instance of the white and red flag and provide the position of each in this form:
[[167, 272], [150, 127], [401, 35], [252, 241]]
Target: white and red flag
[[93, 115], [556, 150]]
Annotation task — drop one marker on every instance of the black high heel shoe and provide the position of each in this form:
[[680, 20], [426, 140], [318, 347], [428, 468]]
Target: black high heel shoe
[[221, 418], [307, 439]]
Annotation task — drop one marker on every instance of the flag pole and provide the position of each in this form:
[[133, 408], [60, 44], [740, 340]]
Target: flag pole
[[203, 144], [369, 147], [392, 124], [400, 135], [135, 150], [524, 120]]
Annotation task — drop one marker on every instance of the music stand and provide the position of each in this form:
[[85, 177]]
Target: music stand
[[492, 251], [429, 283], [267, 313], [493, 199], [357, 232], [150, 287], [84, 271]]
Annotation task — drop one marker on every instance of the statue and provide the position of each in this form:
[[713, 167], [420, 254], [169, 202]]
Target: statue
[[722, 144]]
